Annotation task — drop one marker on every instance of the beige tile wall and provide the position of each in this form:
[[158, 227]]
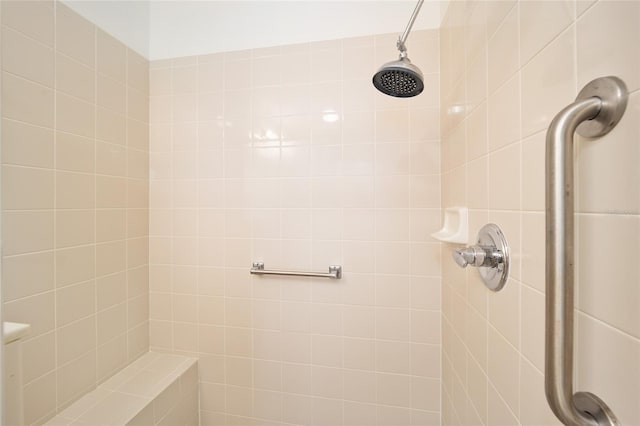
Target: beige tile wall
[[74, 200], [507, 68], [289, 156]]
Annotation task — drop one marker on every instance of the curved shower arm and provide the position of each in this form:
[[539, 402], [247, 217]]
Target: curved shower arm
[[403, 38], [598, 108]]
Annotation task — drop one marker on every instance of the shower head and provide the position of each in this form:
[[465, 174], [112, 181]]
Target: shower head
[[401, 78]]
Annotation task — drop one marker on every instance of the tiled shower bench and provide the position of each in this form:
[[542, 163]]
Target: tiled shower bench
[[156, 389]]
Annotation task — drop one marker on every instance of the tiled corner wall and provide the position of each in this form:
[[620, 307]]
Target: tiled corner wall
[[507, 68], [289, 156], [74, 200]]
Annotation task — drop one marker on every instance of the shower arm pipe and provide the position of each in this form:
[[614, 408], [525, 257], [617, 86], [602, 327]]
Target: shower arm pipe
[[598, 108], [403, 38]]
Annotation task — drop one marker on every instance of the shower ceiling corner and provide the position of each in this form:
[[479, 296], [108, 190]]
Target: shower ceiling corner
[[168, 29]]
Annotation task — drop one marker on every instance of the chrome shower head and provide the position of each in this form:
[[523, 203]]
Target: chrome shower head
[[399, 78]]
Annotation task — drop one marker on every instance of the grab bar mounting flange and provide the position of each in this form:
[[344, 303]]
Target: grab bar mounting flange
[[612, 92], [589, 403]]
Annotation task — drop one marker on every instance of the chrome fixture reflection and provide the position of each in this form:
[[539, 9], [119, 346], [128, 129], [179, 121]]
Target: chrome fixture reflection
[[597, 109], [490, 255], [401, 78]]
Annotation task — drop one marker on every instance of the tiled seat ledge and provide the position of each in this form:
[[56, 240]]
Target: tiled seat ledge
[[156, 389]]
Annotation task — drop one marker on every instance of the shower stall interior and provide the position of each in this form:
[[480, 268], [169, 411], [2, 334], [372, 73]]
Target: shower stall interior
[[245, 233]]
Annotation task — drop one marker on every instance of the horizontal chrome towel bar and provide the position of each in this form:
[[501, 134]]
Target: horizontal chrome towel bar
[[335, 272]]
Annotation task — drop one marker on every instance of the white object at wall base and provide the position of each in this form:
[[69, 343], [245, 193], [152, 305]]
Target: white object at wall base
[[456, 226], [12, 332]]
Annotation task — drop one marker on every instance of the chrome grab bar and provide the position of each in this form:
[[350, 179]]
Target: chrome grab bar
[[597, 109], [335, 272]]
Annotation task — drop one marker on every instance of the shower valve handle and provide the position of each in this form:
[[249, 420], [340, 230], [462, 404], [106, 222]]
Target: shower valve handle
[[473, 256], [490, 255], [477, 256]]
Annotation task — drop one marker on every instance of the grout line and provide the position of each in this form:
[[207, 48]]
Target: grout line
[[608, 326], [95, 202], [55, 201], [171, 191], [198, 190], [506, 405]]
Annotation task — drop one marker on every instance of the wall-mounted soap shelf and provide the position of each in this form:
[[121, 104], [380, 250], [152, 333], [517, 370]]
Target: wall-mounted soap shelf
[[12, 331], [456, 226]]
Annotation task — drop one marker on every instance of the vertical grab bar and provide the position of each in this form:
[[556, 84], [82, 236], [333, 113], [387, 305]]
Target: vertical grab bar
[[597, 109]]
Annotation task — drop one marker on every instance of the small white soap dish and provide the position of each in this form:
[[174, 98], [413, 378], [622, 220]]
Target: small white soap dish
[[12, 331], [456, 226]]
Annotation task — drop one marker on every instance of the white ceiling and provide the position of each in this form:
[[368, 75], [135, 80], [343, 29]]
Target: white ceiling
[[160, 29]]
